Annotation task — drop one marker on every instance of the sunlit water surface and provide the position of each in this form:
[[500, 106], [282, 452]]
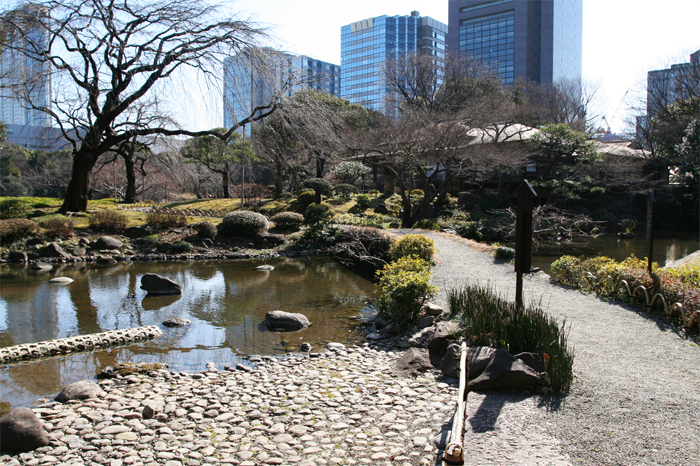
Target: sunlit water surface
[[225, 300]]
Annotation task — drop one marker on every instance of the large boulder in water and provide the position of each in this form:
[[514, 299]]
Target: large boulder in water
[[280, 320], [21, 431], [155, 284]]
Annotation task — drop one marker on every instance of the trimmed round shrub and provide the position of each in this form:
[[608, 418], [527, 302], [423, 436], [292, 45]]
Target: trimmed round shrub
[[346, 190], [317, 213], [419, 246], [306, 198], [427, 224], [205, 230], [288, 220], [317, 184], [58, 227], [14, 228], [108, 220], [403, 288], [15, 208], [243, 223], [181, 247], [417, 193], [470, 230], [363, 200], [504, 253]]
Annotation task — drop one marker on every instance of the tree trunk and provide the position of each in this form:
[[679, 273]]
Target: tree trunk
[[279, 177], [224, 184], [77, 193], [130, 195]]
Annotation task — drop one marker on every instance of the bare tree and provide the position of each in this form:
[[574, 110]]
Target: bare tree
[[108, 55]]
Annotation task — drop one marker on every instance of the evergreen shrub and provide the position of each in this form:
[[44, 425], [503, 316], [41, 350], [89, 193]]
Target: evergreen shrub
[[288, 220], [205, 229], [243, 223], [419, 246], [403, 288], [317, 213], [15, 208], [58, 227]]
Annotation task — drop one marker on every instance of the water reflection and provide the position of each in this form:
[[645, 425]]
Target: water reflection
[[226, 302]]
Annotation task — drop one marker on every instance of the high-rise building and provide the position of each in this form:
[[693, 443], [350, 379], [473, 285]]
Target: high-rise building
[[252, 80], [679, 82], [537, 40], [368, 45], [25, 78]]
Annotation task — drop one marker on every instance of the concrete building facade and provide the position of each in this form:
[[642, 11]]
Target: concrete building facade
[[24, 76], [253, 80], [367, 46], [536, 40]]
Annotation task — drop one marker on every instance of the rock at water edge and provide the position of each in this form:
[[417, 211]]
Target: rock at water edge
[[21, 431], [155, 284], [285, 320], [81, 390]]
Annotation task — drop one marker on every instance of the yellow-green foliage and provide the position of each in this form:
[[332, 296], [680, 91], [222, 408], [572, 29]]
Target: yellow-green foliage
[[413, 245], [108, 220], [14, 208], [602, 275], [404, 286]]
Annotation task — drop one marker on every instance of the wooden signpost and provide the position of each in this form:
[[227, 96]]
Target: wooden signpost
[[454, 452], [523, 237]]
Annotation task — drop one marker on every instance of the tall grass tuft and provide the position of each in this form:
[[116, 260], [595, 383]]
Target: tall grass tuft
[[491, 320]]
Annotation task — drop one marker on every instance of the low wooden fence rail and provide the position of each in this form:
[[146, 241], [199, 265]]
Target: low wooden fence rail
[[623, 286]]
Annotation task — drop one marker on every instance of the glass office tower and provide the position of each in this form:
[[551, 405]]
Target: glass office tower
[[539, 40], [367, 45], [252, 80], [25, 77]]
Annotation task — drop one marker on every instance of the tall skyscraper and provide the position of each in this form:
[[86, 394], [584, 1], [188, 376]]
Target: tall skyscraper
[[24, 77], [679, 82], [367, 46], [252, 80], [538, 40]]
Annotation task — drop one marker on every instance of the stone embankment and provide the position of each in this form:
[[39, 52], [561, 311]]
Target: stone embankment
[[344, 406]]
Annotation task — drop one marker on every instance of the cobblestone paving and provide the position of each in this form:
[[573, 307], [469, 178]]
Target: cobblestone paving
[[343, 407]]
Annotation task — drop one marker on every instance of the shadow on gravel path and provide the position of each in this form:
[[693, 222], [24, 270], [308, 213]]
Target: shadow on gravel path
[[636, 391]]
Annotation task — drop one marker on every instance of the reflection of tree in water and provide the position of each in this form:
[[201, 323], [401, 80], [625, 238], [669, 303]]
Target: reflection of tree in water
[[203, 270]]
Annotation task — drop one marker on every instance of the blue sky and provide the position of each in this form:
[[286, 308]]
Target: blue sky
[[622, 39]]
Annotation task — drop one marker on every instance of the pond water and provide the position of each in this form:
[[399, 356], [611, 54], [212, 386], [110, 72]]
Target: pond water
[[225, 300], [668, 247]]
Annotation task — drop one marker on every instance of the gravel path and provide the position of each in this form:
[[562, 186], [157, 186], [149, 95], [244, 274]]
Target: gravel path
[[635, 397]]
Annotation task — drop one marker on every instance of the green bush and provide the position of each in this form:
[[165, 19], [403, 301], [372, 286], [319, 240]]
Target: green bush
[[365, 220], [504, 253], [317, 213], [58, 227], [419, 246], [417, 193], [318, 184], [205, 229], [306, 198], [181, 247], [491, 320], [604, 276], [165, 221], [403, 288], [346, 190], [470, 230], [15, 208], [15, 228], [363, 201], [108, 220], [318, 235], [243, 223], [288, 220], [427, 224]]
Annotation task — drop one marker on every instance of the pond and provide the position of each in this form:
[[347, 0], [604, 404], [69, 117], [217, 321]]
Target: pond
[[668, 247], [225, 300]]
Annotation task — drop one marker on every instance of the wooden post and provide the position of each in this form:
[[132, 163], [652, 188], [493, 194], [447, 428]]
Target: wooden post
[[650, 229], [454, 453], [523, 237]]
